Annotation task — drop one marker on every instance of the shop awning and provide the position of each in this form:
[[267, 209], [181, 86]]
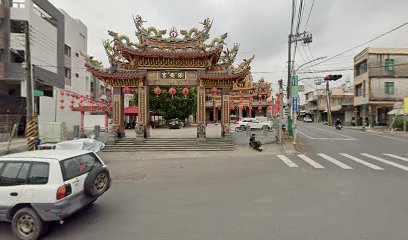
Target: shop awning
[[395, 112]]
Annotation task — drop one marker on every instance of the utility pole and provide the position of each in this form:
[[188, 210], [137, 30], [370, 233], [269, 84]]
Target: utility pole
[[280, 110], [31, 127]]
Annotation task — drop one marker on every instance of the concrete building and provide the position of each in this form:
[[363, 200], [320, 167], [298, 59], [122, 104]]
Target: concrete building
[[341, 103], [56, 40], [380, 80]]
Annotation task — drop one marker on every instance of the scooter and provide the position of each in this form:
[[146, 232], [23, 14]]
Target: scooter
[[339, 126], [257, 145]]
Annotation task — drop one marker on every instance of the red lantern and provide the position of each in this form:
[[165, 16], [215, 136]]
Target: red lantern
[[109, 93], [62, 92], [101, 100], [172, 91], [81, 96], [126, 90], [157, 91], [250, 102], [71, 106], [250, 108], [232, 94], [259, 102], [259, 96], [260, 108], [100, 95], [269, 108], [62, 107], [232, 108], [73, 95], [269, 102], [72, 101], [251, 97], [240, 101], [68, 94], [62, 101], [214, 91], [185, 91], [108, 101], [90, 101]]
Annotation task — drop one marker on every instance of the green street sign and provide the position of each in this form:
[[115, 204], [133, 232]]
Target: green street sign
[[295, 91], [38, 93], [295, 80]]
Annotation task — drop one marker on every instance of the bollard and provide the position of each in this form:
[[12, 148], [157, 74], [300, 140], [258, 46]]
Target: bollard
[[75, 133], [97, 130]]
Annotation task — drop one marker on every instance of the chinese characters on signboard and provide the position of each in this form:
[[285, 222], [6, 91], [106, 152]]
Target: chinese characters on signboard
[[172, 75]]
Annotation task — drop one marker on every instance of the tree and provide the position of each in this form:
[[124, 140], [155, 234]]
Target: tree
[[177, 106]]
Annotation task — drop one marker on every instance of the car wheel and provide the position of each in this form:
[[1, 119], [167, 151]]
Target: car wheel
[[27, 225], [97, 182]]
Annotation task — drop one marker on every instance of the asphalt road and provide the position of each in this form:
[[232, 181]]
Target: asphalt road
[[261, 197]]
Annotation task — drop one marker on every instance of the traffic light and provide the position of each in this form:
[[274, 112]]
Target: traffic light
[[333, 77]]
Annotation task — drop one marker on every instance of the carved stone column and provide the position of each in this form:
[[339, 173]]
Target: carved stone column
[[118, 111], [143, 125], [201, 124], [225, 112]]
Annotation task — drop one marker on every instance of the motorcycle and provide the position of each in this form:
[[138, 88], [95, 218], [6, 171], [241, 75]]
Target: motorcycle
[[257, 145], [339, 126]]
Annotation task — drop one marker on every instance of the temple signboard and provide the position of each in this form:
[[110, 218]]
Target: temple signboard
[[172, 75]]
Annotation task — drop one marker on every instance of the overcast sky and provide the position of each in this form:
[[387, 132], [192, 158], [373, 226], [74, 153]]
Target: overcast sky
[[260, 26]]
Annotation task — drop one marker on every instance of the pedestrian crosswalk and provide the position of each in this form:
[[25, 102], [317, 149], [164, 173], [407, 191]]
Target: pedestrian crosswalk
[[346, 161]]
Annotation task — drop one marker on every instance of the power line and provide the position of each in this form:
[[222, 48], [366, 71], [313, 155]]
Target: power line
[[362, 44], [310, 12]]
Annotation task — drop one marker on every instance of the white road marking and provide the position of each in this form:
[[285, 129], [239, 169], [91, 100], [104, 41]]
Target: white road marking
[[337, 139], [395, 156], [370, 165], [310, 161], [398, 139], [287, 161], [321, 129], [338, 163], [386, 161]]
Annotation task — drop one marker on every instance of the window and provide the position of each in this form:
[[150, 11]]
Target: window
[[67, 50], [358, 90], [389, 65], [389, 88], [38, 173], [18, 4], [14, 173], [17, 56], [17, 26], [78, 166], [77, 54], [361, 68], [77, 75], [68, 73]]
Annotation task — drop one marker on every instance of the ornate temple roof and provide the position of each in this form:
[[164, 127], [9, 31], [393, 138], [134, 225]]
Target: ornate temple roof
[[157, 49]]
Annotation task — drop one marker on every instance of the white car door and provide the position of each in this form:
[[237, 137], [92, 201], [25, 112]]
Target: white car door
[[13, 175]]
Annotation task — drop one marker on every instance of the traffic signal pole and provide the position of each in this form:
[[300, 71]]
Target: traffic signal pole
[[329, 116], [329, 78]]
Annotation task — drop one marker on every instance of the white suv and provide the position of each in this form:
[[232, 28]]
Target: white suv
[[49, 185]]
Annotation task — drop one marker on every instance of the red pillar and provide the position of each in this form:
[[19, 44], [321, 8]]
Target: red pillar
[[82, 122], [215, 111], [106, 121]]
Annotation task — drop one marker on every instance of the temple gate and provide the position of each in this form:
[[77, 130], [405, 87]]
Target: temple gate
[[182, 58]]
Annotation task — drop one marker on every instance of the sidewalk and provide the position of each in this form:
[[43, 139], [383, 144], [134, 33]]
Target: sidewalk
[[17, 145]]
